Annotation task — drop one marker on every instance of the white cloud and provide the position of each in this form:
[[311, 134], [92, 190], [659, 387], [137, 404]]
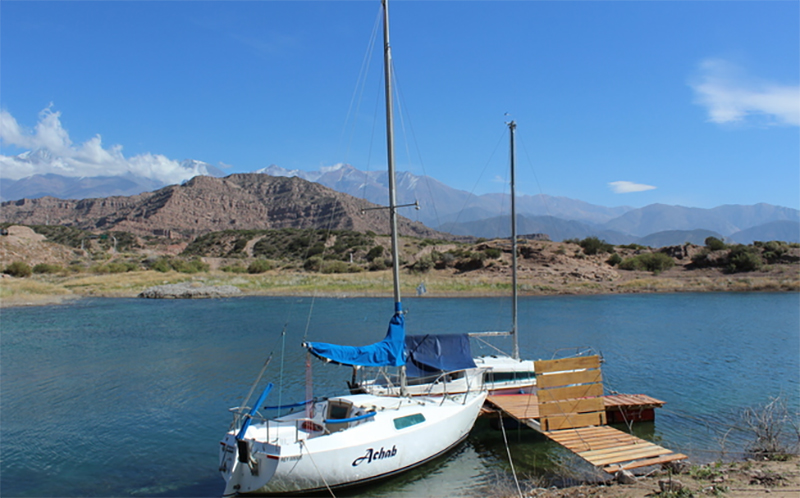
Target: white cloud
[[50, 150], [624, 187], [731, 96]]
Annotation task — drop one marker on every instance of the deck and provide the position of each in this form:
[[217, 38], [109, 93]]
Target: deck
[[571, 410]]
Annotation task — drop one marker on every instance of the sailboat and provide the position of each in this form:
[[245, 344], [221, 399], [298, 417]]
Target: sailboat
[[443, 364], [352, 439]]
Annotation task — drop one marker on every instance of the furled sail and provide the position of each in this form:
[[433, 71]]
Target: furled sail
[[386, 353]]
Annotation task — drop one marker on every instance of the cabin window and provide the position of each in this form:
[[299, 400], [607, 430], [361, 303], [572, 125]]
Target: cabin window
[[508, 376], [408, 421]]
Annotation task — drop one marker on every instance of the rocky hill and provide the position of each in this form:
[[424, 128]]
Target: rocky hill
[[207, 204]]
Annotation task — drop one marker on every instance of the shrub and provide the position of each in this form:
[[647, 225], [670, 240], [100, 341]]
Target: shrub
[[614, 260], [339, 267], [742, 258], [377, 264], [654, 262], [116, 267], [161, 264], [193, 265], [423, 264], [234, 269], [492, 252], [767, 425], [259, 266], [18, 269], [47, 268], [700, 259], [375, 253], [443, 260], [313, 263], [635, 247], [593, 245], [773, 250], [714, 244]]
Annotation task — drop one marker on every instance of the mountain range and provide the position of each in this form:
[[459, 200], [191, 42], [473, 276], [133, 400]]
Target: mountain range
[[442, 208], [205, 204], [458, 212]]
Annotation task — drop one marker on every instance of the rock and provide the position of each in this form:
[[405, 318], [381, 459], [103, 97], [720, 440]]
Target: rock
[[672, 485], [625, 477], [188, 290]]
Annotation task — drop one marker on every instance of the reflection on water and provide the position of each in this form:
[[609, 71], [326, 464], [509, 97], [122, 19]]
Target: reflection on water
[[115, 397]]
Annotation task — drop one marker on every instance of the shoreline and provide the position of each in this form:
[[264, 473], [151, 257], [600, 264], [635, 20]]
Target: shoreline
[[60, 289], [734, 479]]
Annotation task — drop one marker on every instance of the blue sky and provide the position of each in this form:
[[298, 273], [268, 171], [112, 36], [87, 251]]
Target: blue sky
[[617, 103]]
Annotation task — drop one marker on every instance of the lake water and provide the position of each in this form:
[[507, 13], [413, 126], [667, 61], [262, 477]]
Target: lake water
[[127, 397]]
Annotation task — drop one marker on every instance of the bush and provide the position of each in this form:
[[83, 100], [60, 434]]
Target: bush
[[18, 269], [47, 268], [773, 250], [742, 258], [614, 260], [374, 253], [767, 425], [259, 266], [423, 264], [234, 269], [339, 267], [714, 244], [654, 262], [313, 263], [593, 245], [378, 264], [492, 252], [116, 267], [162, 265], [193, 265]]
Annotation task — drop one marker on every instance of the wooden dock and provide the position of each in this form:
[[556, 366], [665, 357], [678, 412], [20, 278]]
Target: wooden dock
[[570, 409]]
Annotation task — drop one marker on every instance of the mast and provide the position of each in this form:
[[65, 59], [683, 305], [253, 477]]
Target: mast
[[512, 127], [387, 68], [387, 74]]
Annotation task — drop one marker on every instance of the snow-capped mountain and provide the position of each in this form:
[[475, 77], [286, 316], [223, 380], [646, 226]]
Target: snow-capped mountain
[[60, 180]]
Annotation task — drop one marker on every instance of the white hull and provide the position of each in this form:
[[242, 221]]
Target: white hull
[[285, 459]]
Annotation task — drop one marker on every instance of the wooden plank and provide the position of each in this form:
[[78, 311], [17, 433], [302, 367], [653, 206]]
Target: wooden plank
[[627, 456], [566, 378], [569, 406], [596, 444], [577, 363], [637, 447], [519, 406], [631, 401], [559, 393], [570, 421], [613, 469]]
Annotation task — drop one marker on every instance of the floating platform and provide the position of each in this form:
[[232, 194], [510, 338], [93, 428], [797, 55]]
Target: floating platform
[[571, 410]]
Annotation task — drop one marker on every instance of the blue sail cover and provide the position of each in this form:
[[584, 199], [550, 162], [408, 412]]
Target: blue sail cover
[[387, 353], [430, 354]]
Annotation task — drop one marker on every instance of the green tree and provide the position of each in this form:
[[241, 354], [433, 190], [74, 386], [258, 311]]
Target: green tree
[[714, 244]]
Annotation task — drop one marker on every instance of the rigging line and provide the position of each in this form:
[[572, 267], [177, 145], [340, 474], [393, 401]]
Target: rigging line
[[508, 452], [258, 379], [371, 142], [361, 83], [303, 445], [550, 217], [474, 187], [400, 102], [283, 355]]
